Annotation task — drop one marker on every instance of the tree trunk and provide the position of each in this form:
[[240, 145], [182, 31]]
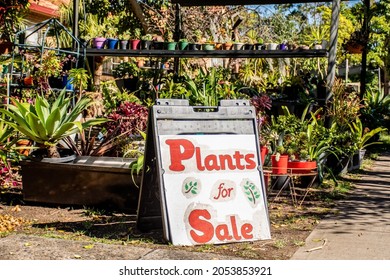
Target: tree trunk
[[97, 75], [385, 80], [52, 152]]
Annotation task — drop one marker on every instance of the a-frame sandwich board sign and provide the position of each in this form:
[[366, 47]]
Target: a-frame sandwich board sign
[[202, 179]]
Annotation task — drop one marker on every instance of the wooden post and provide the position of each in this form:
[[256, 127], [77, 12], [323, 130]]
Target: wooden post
[[366, 32], [75, 27], [333, 48]]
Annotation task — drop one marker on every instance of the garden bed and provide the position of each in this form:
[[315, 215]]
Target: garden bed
[[290, 226]]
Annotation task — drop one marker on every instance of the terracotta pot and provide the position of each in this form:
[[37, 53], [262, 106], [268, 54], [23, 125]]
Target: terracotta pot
[[227, 46], [24, 143], [28, 81], [300, 167], [218, 46], [279, 166]]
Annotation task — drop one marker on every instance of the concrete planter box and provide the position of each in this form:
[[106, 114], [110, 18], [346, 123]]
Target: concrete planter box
[[102, 182]]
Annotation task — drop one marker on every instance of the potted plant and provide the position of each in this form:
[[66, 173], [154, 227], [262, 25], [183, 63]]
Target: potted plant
[[183, 44], [238, 45], [279, 160], [169, 43], [111, 33], [124, 39], [209, 45], [80, 180], [197, 40], [92, 30], [147, 42], [227, 45], [11, 20], [47, 124], [128, 72], [362, 137], [135, 39]]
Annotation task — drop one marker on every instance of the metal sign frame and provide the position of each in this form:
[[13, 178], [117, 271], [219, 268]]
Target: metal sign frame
[[176, 117]]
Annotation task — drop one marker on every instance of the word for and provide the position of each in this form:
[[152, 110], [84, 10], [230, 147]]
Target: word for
[[223, 192]]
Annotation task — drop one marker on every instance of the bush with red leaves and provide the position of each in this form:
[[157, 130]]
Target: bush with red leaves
[[129, 118]]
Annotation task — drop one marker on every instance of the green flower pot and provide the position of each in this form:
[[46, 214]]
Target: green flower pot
[[171, 46]]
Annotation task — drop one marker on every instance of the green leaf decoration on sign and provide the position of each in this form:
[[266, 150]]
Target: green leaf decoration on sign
[[251, 192], [191, 187]]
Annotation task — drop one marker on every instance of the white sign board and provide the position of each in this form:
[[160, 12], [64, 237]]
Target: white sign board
[[213, 189]]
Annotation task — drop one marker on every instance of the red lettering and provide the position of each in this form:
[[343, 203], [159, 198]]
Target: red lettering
[[199, 159], [246, 230], [222, 232], [234, 228], [176, 153], [223, 159], [201, 225], [198, 220], [183, 149], [238, 156], [211, 163], [251, 164]]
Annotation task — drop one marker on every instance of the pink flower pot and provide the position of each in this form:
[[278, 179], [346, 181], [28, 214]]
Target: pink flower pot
[[99, 42], [135, 44]]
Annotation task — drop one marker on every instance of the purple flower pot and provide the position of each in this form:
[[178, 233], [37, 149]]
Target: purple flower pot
[[98, 42]]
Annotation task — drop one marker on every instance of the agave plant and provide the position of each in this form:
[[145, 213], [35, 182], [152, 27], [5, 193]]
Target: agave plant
[[6, 132], [47, 123]]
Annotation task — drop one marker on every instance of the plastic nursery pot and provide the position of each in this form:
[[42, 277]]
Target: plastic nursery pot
[[194, 47], [124, 44], [158, 45], [263, 153], [238, 46], [67, 83], [171, 46], [302, 167], [146, 44], [272, 46], [99, 42], [135, 44], [279, 166], [112, 43], [249, 47], [208, 47], [183, 45]]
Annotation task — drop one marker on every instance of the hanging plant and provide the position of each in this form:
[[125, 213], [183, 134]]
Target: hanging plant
[[356, 42]]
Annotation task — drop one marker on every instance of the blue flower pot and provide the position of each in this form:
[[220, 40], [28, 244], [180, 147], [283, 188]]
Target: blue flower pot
[[112, 43]]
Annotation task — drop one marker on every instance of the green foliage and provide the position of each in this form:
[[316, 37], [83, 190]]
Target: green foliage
[[362, 136], [6, 133], [171, 88], [376, 108], [46, 123], [138, 165], [126, 69], [252, 192], [191, 187], [79, 78], [12, 17]]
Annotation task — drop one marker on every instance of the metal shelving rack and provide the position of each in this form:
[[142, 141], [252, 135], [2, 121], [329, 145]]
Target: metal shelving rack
[[210, 54], [330, 53], [50, 28]]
